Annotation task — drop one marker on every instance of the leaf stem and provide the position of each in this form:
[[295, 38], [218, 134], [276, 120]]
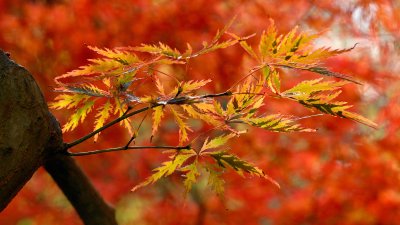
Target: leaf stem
[[123, 148]]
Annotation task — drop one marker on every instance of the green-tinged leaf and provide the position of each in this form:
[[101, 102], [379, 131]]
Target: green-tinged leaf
[[274, 82], [176, 161], [247, 97], [325, 105], [276, 123], [183, 127], [266, 72], [161, 48], [79, 116], [102, 115], [215, 181], [68, 101], [295, 50], [192, 173], [268, 42], [216, 142], [307, 88], [218, 108], [320, 95], [86, 89], [358, 118], [225, 159], [255, 107], [124, 81], [326, 72], [158, 113]]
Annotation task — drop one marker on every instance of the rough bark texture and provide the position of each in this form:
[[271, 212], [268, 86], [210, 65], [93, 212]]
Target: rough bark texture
[[31, 137], [27, 128]]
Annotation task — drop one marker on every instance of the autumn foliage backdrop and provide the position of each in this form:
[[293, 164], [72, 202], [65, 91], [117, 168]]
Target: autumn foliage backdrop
[[345, 173]]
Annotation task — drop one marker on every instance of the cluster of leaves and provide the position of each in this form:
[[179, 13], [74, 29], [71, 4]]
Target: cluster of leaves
[[114, 79]]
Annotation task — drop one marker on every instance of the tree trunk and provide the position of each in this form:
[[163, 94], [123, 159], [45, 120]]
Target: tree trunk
[[31, 137]]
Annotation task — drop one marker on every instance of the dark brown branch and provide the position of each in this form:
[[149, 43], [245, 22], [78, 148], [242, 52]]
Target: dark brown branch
[[90, 206], [124, 148]]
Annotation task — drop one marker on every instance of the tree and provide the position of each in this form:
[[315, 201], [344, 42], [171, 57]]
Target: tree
[[119, 73], [274, 176]]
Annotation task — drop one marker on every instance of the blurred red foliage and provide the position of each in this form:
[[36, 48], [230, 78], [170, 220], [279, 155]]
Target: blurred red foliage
[[343, 174]]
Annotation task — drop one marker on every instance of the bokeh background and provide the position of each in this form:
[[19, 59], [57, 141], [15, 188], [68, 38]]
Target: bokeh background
[[345, 173]]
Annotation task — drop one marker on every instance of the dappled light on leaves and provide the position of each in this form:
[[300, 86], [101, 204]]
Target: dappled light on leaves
[[284, 94], [120, 70]]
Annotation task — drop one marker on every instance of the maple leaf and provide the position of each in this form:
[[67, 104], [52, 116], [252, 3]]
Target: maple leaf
[[293, 50], [203, 111], [272, 78], [79, 116], [161, 48], [320, 95], [114, 61], [158, 113], [247, 97], [68, 101], [188, 87], [102, 115], [86, 89], [249, 49], [160, 87], [276, 123], [176, 161], [192, 173], [215, 181], [306, 88], [183, 127], [119, 110], [216, 142], [240, 166]]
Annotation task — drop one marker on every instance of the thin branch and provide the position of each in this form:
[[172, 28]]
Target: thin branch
[[226, 93], [174, 101], [137, 131], [91, 134], [130, 140], [250, 73], [166, 74], [124, 148]]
